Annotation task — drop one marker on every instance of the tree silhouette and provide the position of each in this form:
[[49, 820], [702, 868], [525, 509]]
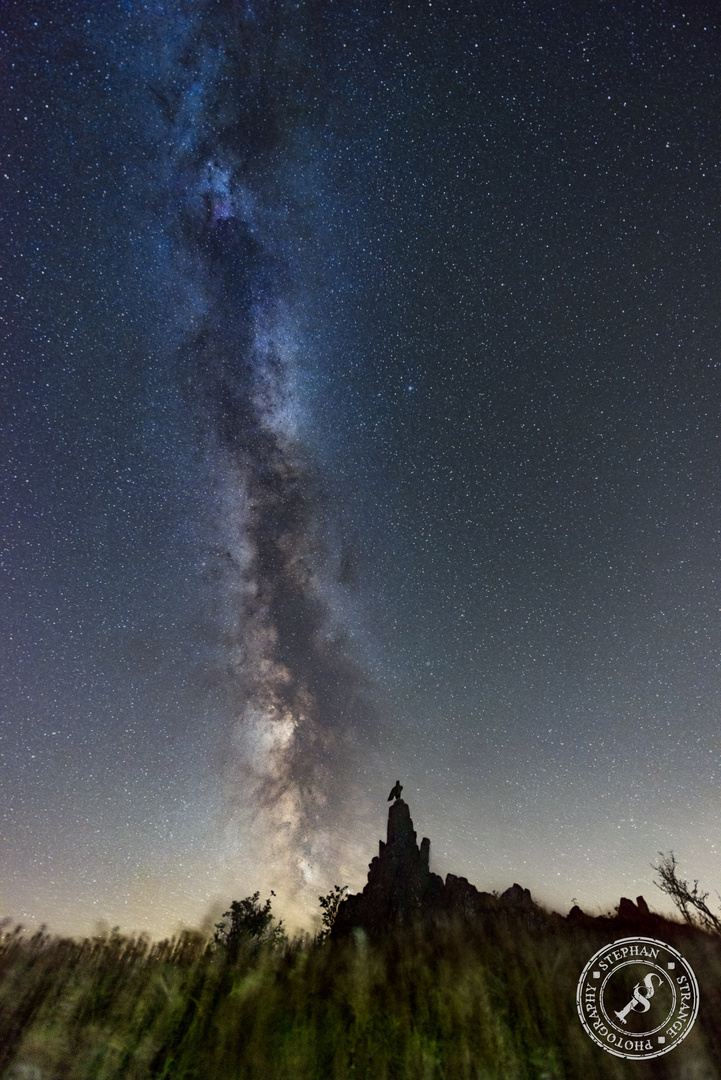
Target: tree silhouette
[[688, 899], [248, 921], [330, 904]]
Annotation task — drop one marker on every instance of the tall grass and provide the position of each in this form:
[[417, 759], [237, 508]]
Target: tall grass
[[454, 1001]]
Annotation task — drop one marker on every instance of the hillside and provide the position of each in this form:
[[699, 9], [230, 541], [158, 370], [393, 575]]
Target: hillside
[[421, 980]]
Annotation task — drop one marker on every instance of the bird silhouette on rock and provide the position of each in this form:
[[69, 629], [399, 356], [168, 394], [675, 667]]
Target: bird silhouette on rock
[[396, 792]]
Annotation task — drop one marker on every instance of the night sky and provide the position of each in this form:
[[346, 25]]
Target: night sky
[[360, 421]]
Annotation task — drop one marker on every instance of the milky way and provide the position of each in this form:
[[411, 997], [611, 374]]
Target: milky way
[[302, 704]]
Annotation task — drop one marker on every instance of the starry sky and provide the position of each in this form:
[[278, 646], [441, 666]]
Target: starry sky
[[360, 421]]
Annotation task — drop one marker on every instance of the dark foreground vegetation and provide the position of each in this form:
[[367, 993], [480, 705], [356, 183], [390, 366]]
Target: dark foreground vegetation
[[450, 1001]]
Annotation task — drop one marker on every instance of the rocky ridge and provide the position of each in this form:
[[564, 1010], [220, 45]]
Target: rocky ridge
[[401, 886], [401, 889]]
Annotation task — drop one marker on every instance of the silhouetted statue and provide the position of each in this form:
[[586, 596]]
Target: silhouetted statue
[[396, 792]]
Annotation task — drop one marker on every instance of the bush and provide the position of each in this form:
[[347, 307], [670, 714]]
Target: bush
[[246, 921]]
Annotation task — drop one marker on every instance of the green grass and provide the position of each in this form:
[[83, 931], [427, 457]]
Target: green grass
[[450, 1002]]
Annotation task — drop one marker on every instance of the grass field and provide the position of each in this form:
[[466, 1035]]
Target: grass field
[[452, 1001]]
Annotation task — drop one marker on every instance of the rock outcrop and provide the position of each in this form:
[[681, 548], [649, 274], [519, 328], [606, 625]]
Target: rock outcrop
[[628, 918], [400, 883], [401, 887]]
